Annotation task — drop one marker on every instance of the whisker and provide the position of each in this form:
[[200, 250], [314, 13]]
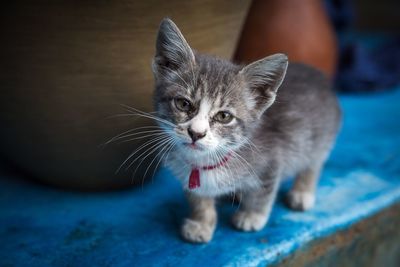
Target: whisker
[[165, 154], [165, 144], [244, 161], [148, 117], [153, 148], [141, 137], [125, 135], [233, 178], [137, 150], [135, 129], [227, 171], [139, 112]]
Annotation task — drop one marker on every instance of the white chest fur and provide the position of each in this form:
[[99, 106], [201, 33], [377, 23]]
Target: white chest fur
[[228, 178]]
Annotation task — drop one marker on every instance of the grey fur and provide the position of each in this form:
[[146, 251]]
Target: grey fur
[[275, 133]]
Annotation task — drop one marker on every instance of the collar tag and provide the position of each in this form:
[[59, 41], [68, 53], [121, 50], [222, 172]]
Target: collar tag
[[194, 179]]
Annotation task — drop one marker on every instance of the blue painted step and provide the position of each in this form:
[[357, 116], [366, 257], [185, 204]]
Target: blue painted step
[[40, 226]]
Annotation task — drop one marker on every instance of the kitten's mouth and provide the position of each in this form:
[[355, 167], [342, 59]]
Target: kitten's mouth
[[193, 146]]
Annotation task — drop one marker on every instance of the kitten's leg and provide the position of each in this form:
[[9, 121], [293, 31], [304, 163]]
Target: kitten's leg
[[256, 207], [302, 195], [200, 226]]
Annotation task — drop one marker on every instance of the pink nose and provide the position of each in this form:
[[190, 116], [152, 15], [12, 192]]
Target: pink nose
[[195, 135]]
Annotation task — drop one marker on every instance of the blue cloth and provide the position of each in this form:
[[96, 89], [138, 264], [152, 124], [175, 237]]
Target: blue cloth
[[41, 226]]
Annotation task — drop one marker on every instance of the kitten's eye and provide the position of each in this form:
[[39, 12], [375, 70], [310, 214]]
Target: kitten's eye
[[183, 104], [224, 117]]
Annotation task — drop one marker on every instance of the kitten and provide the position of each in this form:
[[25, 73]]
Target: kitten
[[235, 133]]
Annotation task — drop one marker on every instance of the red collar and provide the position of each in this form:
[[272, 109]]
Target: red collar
[[194, 178], [219, 164]]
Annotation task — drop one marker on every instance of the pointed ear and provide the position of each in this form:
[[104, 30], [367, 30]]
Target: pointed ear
[[263, 78], [172, 50]]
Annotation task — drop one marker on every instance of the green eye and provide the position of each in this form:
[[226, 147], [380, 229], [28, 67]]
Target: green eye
[[183, 104], [224, 117]]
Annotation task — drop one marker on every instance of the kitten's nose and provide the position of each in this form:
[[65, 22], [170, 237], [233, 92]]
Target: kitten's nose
[[195, 135]]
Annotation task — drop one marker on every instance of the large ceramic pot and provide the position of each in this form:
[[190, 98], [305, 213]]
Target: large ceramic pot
[[66, 66], [301, 29]]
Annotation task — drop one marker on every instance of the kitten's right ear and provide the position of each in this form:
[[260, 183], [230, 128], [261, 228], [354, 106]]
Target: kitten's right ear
[[172, 50], [264, 78]]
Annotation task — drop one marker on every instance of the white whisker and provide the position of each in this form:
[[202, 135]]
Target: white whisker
[[137, 150], [165, 154], [142, 137], [166, 145], [129, 131], [153, 148], [137, 112]]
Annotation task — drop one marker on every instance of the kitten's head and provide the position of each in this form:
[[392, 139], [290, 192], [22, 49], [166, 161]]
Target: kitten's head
[[212, 103]]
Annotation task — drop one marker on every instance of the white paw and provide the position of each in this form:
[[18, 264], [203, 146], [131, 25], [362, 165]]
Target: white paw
[[298, 200], [249, 220], [196, 232]]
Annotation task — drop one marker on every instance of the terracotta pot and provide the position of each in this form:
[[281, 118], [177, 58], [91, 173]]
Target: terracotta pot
[[300, 29]]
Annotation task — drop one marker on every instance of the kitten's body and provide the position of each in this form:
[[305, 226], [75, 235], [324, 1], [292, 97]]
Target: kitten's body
[[268, 139], [293, 134]]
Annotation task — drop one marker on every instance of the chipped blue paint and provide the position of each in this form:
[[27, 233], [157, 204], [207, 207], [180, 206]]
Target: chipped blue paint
[[40, 226]]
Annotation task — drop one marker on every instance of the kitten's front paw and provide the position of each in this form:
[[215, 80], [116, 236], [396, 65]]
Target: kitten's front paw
[[249, 220], [298, 200], [196, 232]]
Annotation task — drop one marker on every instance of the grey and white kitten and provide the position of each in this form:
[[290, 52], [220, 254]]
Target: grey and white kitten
[[235, 133]]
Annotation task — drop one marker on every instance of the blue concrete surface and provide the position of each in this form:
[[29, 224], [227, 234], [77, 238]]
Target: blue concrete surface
[[40, 226]]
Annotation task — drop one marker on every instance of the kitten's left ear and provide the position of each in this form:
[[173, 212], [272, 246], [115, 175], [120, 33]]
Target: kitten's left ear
[[264, 78], [172, 50]]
